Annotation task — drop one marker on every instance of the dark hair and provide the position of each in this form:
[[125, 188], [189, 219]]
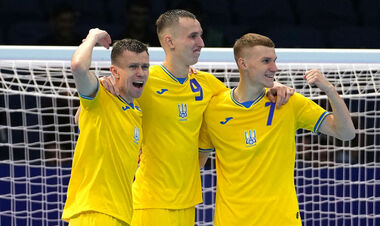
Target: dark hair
[[251, 40], [131, 45], [171, 17]]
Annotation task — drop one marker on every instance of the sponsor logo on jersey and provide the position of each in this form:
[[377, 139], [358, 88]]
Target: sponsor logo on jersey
[[250, 138], [162, 91], [126, 107], [226, 120]]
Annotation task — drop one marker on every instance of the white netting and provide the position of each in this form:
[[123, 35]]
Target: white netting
[[337, 182]]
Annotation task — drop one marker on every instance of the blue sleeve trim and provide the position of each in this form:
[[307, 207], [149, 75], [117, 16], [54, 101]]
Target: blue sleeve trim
[[90, 98], [206, 150], [320, 121]]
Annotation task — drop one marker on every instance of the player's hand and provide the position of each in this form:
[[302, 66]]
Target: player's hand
[[76, 117], [192, 71], [280, 94], [315, 77], [109, 84], [101, 37]]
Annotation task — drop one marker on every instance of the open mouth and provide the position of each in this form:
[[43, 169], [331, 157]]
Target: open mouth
[[138, 84], [269, 75]]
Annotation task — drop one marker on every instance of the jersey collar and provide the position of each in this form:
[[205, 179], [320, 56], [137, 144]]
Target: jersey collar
[[255, 101], [125, 102], [171, 75]]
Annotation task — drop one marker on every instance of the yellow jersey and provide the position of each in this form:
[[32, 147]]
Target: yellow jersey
[[169, 176], [255, 156], [105, 158]]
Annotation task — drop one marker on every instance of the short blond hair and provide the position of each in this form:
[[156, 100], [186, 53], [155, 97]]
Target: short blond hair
[[171, 17], [251, 40]]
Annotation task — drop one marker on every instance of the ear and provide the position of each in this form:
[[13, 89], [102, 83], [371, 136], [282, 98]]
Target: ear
[[168, 40], [242, 63], [114, 71]]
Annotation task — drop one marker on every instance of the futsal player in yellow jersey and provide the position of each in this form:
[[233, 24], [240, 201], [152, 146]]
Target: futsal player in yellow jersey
[[168, 185], [106, 154], [171, 121], [255, 142]]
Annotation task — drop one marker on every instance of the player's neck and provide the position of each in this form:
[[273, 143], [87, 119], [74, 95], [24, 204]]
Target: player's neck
[[127, 98], [177, 69], [244, 93]]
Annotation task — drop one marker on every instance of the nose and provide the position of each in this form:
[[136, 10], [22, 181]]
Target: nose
[[200, 42], [274, 67], [139, 71]]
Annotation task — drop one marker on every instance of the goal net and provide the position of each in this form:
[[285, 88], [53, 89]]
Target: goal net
[[337, 182]]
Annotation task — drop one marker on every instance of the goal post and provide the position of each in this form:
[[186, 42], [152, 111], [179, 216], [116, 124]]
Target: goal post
[[337, 182]]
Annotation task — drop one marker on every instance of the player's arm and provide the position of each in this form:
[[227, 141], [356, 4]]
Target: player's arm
[[338, 124], [203, 156], [279, 94], [108, 82], [86, 81], [205, 145], [76, 117]]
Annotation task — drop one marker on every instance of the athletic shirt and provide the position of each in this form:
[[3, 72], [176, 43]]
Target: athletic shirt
[[255, 155], [169, 173], [105, 158]]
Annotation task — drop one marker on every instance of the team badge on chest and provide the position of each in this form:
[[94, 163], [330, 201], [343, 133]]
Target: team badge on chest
[[250, 138], [182, 109], [136, 136]]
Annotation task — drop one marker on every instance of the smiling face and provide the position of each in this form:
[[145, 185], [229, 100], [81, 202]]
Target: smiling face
[[256, 59], [131, 73], [258, 64]]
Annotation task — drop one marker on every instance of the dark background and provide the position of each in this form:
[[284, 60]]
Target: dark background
[[34, 193], [290, 23]]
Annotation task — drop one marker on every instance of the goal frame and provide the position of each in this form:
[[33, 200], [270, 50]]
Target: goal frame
[[363, 209]]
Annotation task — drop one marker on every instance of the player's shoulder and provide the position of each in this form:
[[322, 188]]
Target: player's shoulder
[[155, 69], [296, 101], [206, 79], [221, 98], [297, 97], [219, 103], [203, 75]]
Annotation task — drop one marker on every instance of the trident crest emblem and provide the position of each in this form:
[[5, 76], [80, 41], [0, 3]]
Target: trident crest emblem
[[136, 137], [182, 108], [250, 137]]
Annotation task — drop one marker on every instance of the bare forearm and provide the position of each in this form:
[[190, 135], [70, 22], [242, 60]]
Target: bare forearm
[[339, 124], [81, 60], [86, 81], [343, 126]]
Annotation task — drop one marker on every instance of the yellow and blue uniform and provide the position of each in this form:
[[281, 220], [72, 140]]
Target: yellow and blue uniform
[[105, 158], [255, 155], [168, 176]]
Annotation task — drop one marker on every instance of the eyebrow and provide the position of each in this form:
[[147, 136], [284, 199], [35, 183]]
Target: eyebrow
[[269, 58], [196, 32]]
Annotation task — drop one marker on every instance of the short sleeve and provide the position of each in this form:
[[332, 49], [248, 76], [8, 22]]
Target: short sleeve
[[205, 144]]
